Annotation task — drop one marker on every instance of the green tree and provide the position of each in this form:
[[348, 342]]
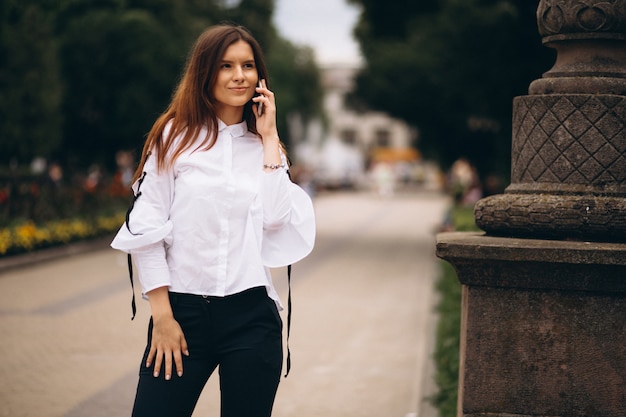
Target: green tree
[[121, 60], [82, 79], [256, 16], [118, 68], [295, 79], [451, 68], [30, 115]]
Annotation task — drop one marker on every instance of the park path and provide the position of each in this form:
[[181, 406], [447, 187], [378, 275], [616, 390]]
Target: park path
[[362, 333]]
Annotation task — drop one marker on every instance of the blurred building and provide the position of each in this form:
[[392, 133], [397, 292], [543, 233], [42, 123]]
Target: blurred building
[[366, 130], [344, 150]]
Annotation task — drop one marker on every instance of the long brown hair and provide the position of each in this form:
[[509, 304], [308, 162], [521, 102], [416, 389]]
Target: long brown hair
[[193, 105]]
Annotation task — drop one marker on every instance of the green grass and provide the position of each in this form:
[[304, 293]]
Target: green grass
[[463, 219], [447, 341], [449, 326]]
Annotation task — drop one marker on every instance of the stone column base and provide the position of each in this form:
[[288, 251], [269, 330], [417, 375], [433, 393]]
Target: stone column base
[[543, 326], [580, 217]]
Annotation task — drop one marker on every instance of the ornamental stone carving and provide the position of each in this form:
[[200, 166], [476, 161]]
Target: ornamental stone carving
[[570, 139], [568, 167], [589, 19]]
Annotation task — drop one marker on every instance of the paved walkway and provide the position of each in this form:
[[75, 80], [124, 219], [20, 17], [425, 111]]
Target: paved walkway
[[362, 335]]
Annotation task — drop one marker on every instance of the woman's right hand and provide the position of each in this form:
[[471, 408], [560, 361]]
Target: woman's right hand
[[168, 341]]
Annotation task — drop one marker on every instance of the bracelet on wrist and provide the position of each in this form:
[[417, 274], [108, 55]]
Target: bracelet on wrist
[[273, 166]]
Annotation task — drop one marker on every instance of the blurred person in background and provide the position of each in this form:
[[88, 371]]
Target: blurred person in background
[[214, 209], [464, 186]]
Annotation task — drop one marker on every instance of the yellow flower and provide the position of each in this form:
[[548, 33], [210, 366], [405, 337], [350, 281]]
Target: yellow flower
[[5, 240], [25, 235], [28, 236]]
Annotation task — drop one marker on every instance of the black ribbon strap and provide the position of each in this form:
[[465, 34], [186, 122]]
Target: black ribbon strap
[[133, 304], [288, 300], [288, 319]]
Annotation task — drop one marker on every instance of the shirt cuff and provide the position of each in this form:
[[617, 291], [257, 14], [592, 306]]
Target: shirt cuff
[[152, 267], [276, 192]]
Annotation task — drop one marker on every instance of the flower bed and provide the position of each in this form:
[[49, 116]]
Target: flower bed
[[28, 236], [42, 211]]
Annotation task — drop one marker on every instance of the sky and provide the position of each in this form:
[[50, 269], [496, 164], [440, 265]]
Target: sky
[[325, 25]]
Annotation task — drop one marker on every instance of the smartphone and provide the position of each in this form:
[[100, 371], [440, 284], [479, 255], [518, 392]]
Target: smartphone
[[260, 105]]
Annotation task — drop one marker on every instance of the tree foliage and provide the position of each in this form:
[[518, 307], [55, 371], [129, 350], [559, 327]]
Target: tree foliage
[[295, 79], [30, 85], [82, 79], [117, 66], [451, 68]]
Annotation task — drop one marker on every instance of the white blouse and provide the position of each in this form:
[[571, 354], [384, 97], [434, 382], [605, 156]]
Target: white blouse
[[216, 222]]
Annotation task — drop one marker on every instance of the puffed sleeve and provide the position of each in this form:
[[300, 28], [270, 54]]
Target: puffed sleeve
[[290, 235], [148, 229], [148, 219]]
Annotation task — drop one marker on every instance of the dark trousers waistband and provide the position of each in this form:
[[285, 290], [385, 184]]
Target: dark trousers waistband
[[251, 293]]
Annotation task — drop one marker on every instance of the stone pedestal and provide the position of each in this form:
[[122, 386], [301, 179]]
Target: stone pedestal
[[543, 326], [544, 289]]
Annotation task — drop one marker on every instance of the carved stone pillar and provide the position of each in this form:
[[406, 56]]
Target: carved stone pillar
[[568, 177], [544, 289]]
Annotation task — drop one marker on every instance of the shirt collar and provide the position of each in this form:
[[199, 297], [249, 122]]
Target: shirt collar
[[236, 130]]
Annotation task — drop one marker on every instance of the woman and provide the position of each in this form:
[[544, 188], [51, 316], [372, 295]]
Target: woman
[[214, 209]]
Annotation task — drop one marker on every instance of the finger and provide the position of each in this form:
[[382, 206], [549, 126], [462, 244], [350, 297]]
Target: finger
[[168, 365], [178, 362], [264, 90], [266, 102], [157, 364], [184, 347], [178, 359], [150, 356]]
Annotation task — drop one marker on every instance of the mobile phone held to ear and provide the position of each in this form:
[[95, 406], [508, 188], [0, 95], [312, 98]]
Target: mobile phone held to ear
[[260, 105]]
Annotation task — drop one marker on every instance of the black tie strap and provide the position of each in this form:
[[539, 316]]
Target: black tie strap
[[133, 304], [288, 304], [288, 319]]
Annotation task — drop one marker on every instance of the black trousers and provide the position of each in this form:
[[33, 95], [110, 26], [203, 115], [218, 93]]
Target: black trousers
[[242, 334]]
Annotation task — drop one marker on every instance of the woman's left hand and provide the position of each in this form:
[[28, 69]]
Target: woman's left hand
[[266, 122]]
